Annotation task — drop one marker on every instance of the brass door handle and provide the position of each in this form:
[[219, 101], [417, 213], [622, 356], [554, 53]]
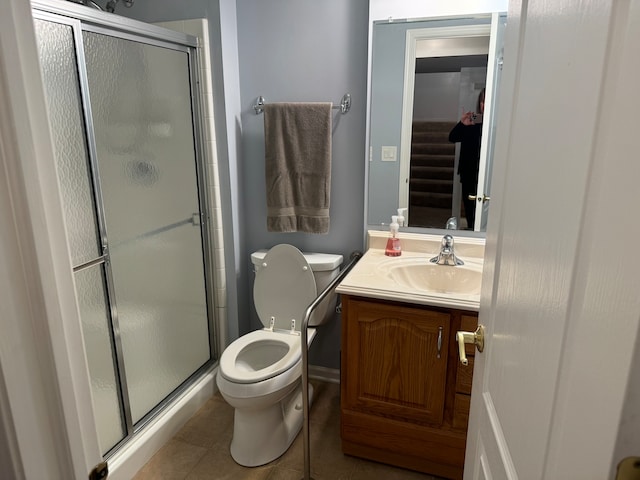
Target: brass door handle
[[629, 469], [475, 338], [483, 198]]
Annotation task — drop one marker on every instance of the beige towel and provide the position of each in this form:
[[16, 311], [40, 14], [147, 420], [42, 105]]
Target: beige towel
[[298, 166]]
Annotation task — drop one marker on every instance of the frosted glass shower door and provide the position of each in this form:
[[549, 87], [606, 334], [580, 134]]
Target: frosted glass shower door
[[142, 117], [62, 88]]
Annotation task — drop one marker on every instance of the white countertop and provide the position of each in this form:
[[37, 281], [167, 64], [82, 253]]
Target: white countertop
[[368, 278]]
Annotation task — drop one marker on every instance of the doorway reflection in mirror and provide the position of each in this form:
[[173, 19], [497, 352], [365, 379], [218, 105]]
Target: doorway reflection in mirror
[[441, 173]]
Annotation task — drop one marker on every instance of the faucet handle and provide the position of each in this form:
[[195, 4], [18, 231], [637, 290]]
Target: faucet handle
[[446, 255], [447, 242]]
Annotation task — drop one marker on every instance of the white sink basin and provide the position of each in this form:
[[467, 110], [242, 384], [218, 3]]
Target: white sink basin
[[417, 273]]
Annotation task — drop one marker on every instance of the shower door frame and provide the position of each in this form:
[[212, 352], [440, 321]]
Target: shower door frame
[[81, 19]]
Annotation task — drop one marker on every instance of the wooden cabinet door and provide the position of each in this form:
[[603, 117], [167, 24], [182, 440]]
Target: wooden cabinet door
[[396, 360]]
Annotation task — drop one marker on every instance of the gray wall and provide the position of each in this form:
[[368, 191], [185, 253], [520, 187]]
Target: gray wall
[[435, 97], [304, 50], [287, 50]]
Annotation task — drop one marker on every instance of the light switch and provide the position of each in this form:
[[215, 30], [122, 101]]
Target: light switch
[[389, 154]]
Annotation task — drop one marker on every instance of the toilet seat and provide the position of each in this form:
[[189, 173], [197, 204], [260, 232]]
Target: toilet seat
[[235, 368], [284, 287]]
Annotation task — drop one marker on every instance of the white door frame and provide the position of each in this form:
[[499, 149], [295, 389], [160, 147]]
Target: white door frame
[[45, 398], [491, 90]]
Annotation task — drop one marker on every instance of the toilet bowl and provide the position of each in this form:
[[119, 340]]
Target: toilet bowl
[[259, 373]]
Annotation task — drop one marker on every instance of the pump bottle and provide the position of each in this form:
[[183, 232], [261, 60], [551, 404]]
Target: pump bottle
[[393, 243], [401, 212]]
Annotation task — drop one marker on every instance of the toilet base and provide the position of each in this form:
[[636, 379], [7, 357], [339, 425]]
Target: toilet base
[[261, 436]]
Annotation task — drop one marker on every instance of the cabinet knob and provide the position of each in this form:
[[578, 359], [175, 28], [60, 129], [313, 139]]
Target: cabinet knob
[[475, 338]]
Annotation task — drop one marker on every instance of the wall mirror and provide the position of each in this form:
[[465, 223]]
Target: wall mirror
[[424, 74]]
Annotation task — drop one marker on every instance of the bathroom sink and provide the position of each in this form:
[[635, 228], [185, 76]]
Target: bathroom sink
[[411, 278], [418, 274]]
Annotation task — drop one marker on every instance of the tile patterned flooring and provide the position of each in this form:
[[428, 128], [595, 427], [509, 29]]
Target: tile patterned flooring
[[200, 450]]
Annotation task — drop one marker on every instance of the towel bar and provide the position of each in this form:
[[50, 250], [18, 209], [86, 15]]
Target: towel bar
[[345, 104]]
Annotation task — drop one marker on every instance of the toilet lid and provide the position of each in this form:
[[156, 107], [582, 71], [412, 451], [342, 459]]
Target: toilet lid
[[284, 287]]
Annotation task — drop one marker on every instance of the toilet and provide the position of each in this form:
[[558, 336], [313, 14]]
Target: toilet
[[259, 374]]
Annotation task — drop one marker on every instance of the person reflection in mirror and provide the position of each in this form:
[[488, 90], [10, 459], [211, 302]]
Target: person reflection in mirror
[[468, 131]]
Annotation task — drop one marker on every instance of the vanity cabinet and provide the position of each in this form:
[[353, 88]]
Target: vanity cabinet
[[404, 395]]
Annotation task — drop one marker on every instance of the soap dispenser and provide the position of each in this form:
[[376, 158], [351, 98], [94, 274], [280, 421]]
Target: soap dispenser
[[401, 213], [393, 244]]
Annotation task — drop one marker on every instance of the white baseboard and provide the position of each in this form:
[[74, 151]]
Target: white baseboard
[[323, 373]]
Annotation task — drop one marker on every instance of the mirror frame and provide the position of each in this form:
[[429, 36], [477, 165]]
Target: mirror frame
[[414, 11]]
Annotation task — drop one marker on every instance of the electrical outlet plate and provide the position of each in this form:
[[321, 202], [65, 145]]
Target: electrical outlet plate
[[389, 154]]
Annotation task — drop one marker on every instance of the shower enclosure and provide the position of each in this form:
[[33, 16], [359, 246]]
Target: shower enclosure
[[124, 113]]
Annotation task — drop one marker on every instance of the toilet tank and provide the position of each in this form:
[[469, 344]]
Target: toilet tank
[[325, 267]]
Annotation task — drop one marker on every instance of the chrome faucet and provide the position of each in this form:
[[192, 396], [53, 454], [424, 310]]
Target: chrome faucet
[[446, 255], [452, 223]]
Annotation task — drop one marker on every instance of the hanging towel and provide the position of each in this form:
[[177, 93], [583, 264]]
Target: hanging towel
[[298, 166]]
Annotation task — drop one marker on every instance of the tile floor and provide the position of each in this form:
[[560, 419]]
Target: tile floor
[[201, 449]]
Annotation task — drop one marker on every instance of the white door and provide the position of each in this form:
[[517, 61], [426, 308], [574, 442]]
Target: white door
[[560, 296], [487, 146]]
